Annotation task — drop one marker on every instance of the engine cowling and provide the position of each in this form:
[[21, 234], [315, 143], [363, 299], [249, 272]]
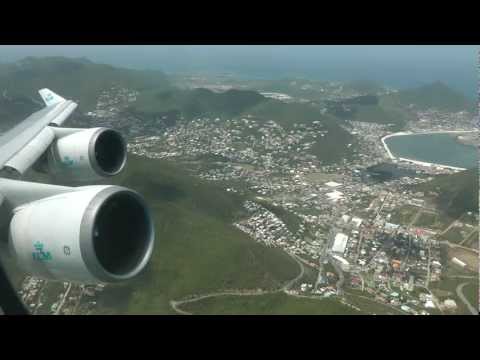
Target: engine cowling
[[96, 234], [88, 155]]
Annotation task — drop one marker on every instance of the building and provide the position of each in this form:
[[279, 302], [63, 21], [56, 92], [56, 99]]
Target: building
[[340, 243], [335, 195], [357, 221], [458, 262], [332, 184], [450, 304]]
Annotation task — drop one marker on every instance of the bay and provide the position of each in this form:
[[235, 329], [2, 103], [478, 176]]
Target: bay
[[438, 148]]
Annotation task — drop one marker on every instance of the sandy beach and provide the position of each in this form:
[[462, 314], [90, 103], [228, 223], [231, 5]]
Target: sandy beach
[[402, 133]]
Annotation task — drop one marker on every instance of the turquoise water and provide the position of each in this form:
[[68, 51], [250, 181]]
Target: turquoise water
[[434, 148]]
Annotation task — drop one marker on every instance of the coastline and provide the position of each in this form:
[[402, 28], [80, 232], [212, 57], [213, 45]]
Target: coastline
[[418, 162]]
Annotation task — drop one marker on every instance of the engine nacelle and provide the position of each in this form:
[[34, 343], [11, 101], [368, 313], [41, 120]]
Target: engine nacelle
[[95, 234], [87, 155]]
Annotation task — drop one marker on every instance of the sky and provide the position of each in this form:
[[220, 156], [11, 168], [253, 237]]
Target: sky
[[394, 65]]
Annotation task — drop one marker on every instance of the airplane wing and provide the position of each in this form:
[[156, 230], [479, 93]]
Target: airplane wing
[[86, 234], [12, 142]]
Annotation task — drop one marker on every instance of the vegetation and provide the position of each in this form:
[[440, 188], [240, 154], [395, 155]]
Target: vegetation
[[371, 306], [291, 220], [197, 249], [269, 304], [380, 115], [83, 81], [404, 215], [446, 289], [436, 95], [331, 148], [14, 110], [371, 108], [456, 193], [198, 102], [78, 79]]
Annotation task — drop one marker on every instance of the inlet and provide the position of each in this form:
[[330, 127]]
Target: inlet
[[122, 234], [110, 152]]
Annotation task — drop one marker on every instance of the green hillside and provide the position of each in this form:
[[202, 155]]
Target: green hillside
[[270, 304], [436, 95], [83, 80], [456, 193], [78, 79], [381, 115], [15, 109], [197, 249], [371, 108], [330, 148], [197, 102]]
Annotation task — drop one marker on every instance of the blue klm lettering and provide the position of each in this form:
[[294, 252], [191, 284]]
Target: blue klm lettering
[[39, 254]]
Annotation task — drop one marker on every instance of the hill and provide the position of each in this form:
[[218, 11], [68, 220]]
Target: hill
[[436, 95], [197, 249], [370, 108], [331, 148], [233, 103], [455, 194], [78, 79], [197, 102], [15, 109], [83, 80]]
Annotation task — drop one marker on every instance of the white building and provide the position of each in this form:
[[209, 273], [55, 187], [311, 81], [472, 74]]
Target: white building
[[332, 184], [357, 221], [340, 243], [335, 195], [458, 262]]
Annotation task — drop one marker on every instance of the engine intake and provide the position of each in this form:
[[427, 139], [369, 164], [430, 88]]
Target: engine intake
[[115, 234], [107, 151]]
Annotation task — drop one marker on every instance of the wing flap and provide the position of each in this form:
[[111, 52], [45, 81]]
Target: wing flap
[[26, 157]]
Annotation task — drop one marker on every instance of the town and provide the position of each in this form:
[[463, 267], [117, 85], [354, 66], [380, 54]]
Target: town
[[335, 217]]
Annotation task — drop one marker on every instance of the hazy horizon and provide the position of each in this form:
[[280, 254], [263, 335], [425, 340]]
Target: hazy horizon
[[399, 66]]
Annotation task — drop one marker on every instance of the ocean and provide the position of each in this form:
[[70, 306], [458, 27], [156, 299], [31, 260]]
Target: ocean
[[441, 149]]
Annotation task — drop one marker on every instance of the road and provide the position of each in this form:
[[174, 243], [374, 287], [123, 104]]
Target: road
[[341, 277], [452, 245], [434, 298], [383, 304], [427, 282], [299, 276], [468, 236], [175, 304], [462, 297], [63, 299], [449, 226]]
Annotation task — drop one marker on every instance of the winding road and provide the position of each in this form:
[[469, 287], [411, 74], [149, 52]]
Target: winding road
[[462, 297], [175, 304]]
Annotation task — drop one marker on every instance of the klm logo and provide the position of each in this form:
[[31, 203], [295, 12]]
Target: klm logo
[[39, 254]]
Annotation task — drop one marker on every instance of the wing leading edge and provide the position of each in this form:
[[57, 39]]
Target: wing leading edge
[[12, 142]]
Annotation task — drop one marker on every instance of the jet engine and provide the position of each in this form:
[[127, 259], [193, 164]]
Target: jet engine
[[92, 234], [85, 155]]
